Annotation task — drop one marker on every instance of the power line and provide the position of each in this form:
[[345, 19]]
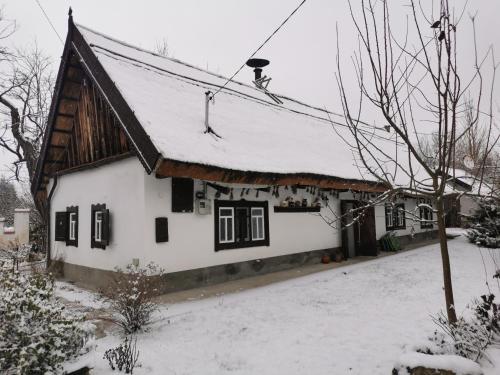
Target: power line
[[49, 21], [260, 47]]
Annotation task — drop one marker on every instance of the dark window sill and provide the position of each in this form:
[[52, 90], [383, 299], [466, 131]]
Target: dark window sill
[[296, 209], [240, 245]]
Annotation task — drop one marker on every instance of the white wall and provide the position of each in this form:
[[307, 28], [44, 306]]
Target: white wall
[[412, 226], [20, 233], [120, 186], [135, 199], [191, 236]]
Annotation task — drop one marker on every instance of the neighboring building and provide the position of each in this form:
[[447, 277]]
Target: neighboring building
[[461, 202], [19, 234], [137, 167]]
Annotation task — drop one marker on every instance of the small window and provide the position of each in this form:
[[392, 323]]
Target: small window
[[72, 214], [395, 216], [226, 224], [426, 215], [100, 226], [258, 224], [241, 224]]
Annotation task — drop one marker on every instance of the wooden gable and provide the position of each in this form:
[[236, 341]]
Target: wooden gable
[[85, 129]]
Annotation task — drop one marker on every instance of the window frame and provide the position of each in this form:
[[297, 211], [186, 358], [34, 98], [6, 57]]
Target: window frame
[[396, 211], [72, 210], [103, 240], [226, 217], [429, 222], [235, 243]]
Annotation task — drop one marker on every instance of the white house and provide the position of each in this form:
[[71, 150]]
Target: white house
[[465, 189], [138, 164], [19, 234]]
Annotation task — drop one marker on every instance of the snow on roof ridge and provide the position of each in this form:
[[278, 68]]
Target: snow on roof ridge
[[140, 49]]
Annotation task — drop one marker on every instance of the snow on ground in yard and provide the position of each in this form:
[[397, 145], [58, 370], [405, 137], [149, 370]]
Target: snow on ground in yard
[[456, 231], [358, 319], [72, 293]]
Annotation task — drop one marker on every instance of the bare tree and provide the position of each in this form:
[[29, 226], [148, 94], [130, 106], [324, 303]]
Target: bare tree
[[24, 105], [412, 81]]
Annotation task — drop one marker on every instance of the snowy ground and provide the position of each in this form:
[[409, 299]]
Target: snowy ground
[[357, 319]]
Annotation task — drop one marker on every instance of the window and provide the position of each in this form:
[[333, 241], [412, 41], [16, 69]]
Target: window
[[395, 216], [72, 226], [426, 215], [72, 214], [241, 224], [226, 224], [100, 226], [66, 226], [97, 226], [258, 224]]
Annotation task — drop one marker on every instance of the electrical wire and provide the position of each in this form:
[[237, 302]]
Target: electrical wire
[[49, 21], [260, 47]]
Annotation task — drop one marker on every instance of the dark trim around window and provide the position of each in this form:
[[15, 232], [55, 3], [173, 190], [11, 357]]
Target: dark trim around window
[[398, 209], [72, 242], [105, 226], [238, 243]]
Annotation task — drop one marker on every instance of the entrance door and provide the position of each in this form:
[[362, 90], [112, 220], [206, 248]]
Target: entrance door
[[358, 238]]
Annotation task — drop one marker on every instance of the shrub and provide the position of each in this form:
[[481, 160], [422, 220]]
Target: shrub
[[469, 338], [485, 229], [37, 333], [124, 356], [132, 295]]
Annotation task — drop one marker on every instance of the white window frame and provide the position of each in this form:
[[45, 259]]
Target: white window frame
[[389, 216], [259, 218], [223, 222], [72, 226], [400, 217], [97, 226]]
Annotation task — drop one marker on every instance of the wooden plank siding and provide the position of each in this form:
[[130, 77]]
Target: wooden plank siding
[[85, 130]]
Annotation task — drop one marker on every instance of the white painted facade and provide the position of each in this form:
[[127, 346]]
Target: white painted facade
[[19, 234], [135, 199]]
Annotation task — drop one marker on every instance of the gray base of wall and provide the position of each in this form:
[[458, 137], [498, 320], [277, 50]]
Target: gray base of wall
[[418, 237], [97, 279]]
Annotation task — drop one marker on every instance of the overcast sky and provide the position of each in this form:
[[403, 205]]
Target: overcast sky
[[221, 34]]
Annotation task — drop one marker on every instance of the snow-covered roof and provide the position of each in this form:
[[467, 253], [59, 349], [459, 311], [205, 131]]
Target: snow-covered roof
[[256, 134]]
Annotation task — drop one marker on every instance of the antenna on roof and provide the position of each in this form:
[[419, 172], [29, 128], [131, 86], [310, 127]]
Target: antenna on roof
[[208, 129], [261, 82]]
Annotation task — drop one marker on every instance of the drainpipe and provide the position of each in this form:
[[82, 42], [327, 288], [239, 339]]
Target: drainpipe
[[48, 218]]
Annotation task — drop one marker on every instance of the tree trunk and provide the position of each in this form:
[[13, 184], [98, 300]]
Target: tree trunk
[[445, 258]]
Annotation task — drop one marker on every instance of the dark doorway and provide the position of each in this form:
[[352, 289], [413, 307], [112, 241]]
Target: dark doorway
[[358, 238]]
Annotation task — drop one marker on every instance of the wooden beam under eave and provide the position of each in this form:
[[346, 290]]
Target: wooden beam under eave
[[171, 168]]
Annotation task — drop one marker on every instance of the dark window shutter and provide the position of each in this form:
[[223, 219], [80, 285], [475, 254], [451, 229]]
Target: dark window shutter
[[61, 226], [161, 227], [106, 228], [182, 194]]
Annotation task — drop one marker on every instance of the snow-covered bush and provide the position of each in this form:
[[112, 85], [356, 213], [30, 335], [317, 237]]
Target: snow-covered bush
[[131, 296], [485, 228], [37, 333], [470, 337], [123, 357]]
